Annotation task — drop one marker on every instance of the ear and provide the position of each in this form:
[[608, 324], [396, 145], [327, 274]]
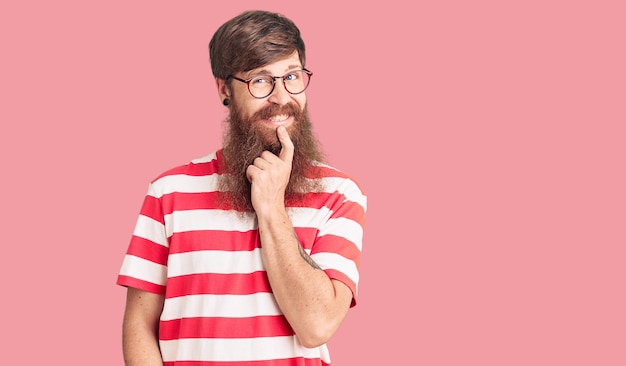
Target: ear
[[222, 88]]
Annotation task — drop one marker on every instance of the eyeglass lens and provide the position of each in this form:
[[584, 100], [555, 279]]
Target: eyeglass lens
[[295, 82]]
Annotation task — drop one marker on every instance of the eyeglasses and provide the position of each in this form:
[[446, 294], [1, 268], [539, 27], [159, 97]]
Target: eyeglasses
[[261, 86]]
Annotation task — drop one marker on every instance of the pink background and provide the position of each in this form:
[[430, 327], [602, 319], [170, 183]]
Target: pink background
[[489, 138]]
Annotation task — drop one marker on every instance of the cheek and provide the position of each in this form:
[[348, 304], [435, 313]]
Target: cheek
[[301, 100], [248, 108]]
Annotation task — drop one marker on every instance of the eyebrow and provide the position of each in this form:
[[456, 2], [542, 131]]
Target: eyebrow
[[267, 72]]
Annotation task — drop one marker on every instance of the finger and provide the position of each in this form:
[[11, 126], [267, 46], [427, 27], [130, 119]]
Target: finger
[[260, 162], [250, 172], [286, 153]]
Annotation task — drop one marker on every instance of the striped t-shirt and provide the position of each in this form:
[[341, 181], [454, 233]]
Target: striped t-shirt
[[219, 308]]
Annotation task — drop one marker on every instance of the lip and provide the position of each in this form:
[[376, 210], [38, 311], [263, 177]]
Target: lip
[[285, 122]]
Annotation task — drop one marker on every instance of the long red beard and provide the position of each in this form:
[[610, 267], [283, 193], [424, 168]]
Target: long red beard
[[245, 140]]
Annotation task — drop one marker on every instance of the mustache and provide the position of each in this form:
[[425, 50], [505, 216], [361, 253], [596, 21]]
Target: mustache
[[275, 109]]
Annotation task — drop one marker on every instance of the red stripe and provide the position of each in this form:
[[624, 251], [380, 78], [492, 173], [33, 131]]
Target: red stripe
[[336, 244], [218, 284], [306, 235], [152, 208], [180, 201], [324, 172], [335, 202], [147, 249], [194, 169], [260, 326], [190, 241], [313, 200], [213, 166], [140, 284], [339, 276], [211, 200], [350, 210], [214, 240]]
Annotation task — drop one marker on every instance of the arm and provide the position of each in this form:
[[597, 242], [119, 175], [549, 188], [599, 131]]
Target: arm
[[141, 327], [313, 304]]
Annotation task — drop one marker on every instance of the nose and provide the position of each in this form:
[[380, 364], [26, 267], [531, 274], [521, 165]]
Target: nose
[[279, 95]]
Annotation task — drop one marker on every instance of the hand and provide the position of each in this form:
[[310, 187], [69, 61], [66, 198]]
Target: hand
[[269, 175]]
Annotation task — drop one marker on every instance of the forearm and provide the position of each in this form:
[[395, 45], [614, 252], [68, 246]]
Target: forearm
[[140, 347], [313, 304], [304, 293], [140, 329]]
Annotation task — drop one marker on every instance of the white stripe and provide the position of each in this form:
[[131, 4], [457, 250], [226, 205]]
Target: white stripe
[[215, 261], [208, 183], [144, 270], [227, 306], [150, 229], [335, 261], [345, 228], [191, 220], [353, 193], [308, 217], [183, 183], [346, 187], [239, 349]]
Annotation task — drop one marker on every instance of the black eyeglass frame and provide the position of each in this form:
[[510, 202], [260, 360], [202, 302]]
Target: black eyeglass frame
[[247, 81]]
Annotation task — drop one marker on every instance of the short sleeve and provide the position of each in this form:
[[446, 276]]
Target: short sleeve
[[145, 263], [337, 249]]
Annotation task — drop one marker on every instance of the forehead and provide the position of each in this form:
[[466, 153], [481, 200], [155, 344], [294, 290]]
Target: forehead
[[279, 67]]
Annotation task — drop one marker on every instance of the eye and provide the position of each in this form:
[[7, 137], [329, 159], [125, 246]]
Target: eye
[[262, 79], [292, 76]]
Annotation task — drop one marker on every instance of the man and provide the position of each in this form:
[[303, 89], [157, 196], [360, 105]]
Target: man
[[249, 255]]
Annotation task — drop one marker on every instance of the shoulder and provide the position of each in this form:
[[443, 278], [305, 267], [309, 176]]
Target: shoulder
[[200, 166], [336, 180], [182, 177]]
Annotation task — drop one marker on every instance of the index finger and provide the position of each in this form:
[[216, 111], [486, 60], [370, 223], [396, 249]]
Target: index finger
[[286, 153]]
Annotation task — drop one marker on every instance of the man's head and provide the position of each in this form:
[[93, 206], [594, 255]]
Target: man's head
[[258, 59], [264, 45]]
